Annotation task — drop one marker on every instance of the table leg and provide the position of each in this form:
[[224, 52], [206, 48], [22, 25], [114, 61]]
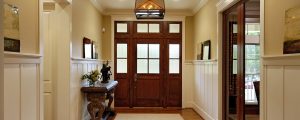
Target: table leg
[[97, 104]]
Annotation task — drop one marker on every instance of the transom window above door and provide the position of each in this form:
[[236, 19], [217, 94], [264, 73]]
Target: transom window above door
[[148, 28]]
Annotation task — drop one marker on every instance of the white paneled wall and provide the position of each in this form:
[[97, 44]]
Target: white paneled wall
[[22, 88], [187, 84], [206, 89], [281, 89], [78, 104]]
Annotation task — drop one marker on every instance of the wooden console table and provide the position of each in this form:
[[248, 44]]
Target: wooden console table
[[97, 96]]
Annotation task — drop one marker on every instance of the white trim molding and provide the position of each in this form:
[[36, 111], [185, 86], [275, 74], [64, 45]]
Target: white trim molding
[[287, 60], [14, 58], [223, 5], [199, 6]]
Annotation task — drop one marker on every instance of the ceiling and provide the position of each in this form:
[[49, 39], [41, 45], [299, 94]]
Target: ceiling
[[175, 6]]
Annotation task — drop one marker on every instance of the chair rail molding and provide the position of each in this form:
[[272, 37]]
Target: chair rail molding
[[11, 57], [282, 60]]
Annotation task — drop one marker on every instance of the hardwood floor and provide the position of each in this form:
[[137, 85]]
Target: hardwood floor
[[190, 114], [187, 114]]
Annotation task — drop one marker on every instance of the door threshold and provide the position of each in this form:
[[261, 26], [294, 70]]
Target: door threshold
[[148, 110]]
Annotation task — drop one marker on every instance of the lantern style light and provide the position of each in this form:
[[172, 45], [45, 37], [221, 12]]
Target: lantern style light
[[149, 9]]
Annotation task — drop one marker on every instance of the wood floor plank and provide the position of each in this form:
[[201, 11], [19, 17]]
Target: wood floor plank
[[187, 114]]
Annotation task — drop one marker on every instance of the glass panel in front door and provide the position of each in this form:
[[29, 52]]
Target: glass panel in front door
[[148, 58]]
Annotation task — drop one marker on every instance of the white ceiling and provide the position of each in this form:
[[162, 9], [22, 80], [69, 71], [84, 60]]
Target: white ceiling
[[189, 6]]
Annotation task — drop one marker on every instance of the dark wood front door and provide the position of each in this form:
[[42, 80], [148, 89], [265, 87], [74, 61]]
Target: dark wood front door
[[148, 64], [148, 73]]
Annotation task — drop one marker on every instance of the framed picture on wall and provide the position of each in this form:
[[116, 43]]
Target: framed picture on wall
[[11, 45], [292, 31], [199, 51], [205, 50], [87, 48]]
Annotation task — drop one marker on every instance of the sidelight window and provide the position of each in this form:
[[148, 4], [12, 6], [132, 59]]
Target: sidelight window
[[122, 58], [174, 58]]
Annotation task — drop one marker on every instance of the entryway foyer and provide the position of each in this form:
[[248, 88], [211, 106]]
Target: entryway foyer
[[176, 59]]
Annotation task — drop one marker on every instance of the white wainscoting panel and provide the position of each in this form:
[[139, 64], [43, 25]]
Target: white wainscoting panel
[[187, 84], [291, 92], [206, 89], [274, 92], [22, 100], [281, 91], [78, 102], [12, 92]]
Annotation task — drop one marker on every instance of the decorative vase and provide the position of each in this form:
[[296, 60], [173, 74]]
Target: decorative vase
[[85, 83], [91, 83]]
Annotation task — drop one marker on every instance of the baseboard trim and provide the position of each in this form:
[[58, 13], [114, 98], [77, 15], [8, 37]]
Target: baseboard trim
[[201, 112], [187, 105]]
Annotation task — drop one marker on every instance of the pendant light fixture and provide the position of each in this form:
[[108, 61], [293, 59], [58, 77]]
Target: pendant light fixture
[[149, 9]]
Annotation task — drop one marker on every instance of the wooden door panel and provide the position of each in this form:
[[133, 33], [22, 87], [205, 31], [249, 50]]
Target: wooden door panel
[[148, 89], [148, 93], [122, 93], [174, 98]]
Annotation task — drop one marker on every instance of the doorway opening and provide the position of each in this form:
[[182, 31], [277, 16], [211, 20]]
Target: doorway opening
[[241, 61], [148, 63]]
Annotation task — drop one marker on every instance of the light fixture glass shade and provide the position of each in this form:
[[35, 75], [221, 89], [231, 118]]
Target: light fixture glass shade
[[149, 9]]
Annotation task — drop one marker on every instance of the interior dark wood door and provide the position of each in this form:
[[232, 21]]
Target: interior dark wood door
[[234, 62], [148, 73]]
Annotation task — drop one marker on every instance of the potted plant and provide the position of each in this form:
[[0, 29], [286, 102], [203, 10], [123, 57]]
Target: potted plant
[[92, 77]]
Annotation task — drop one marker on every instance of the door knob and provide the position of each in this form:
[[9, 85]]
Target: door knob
[[135, 77]]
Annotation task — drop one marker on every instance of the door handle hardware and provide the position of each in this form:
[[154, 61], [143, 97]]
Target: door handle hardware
[[135, 77]]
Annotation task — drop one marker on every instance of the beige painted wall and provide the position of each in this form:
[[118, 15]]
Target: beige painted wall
[[205, 23], [189, 41], [29, 24], [86, 22], [274, 24], [60, 34], [106, 38], [1, 66]]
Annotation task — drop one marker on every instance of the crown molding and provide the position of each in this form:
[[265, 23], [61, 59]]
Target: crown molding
[[199, 6], [98, 6], [222, 5], [64, 1]]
